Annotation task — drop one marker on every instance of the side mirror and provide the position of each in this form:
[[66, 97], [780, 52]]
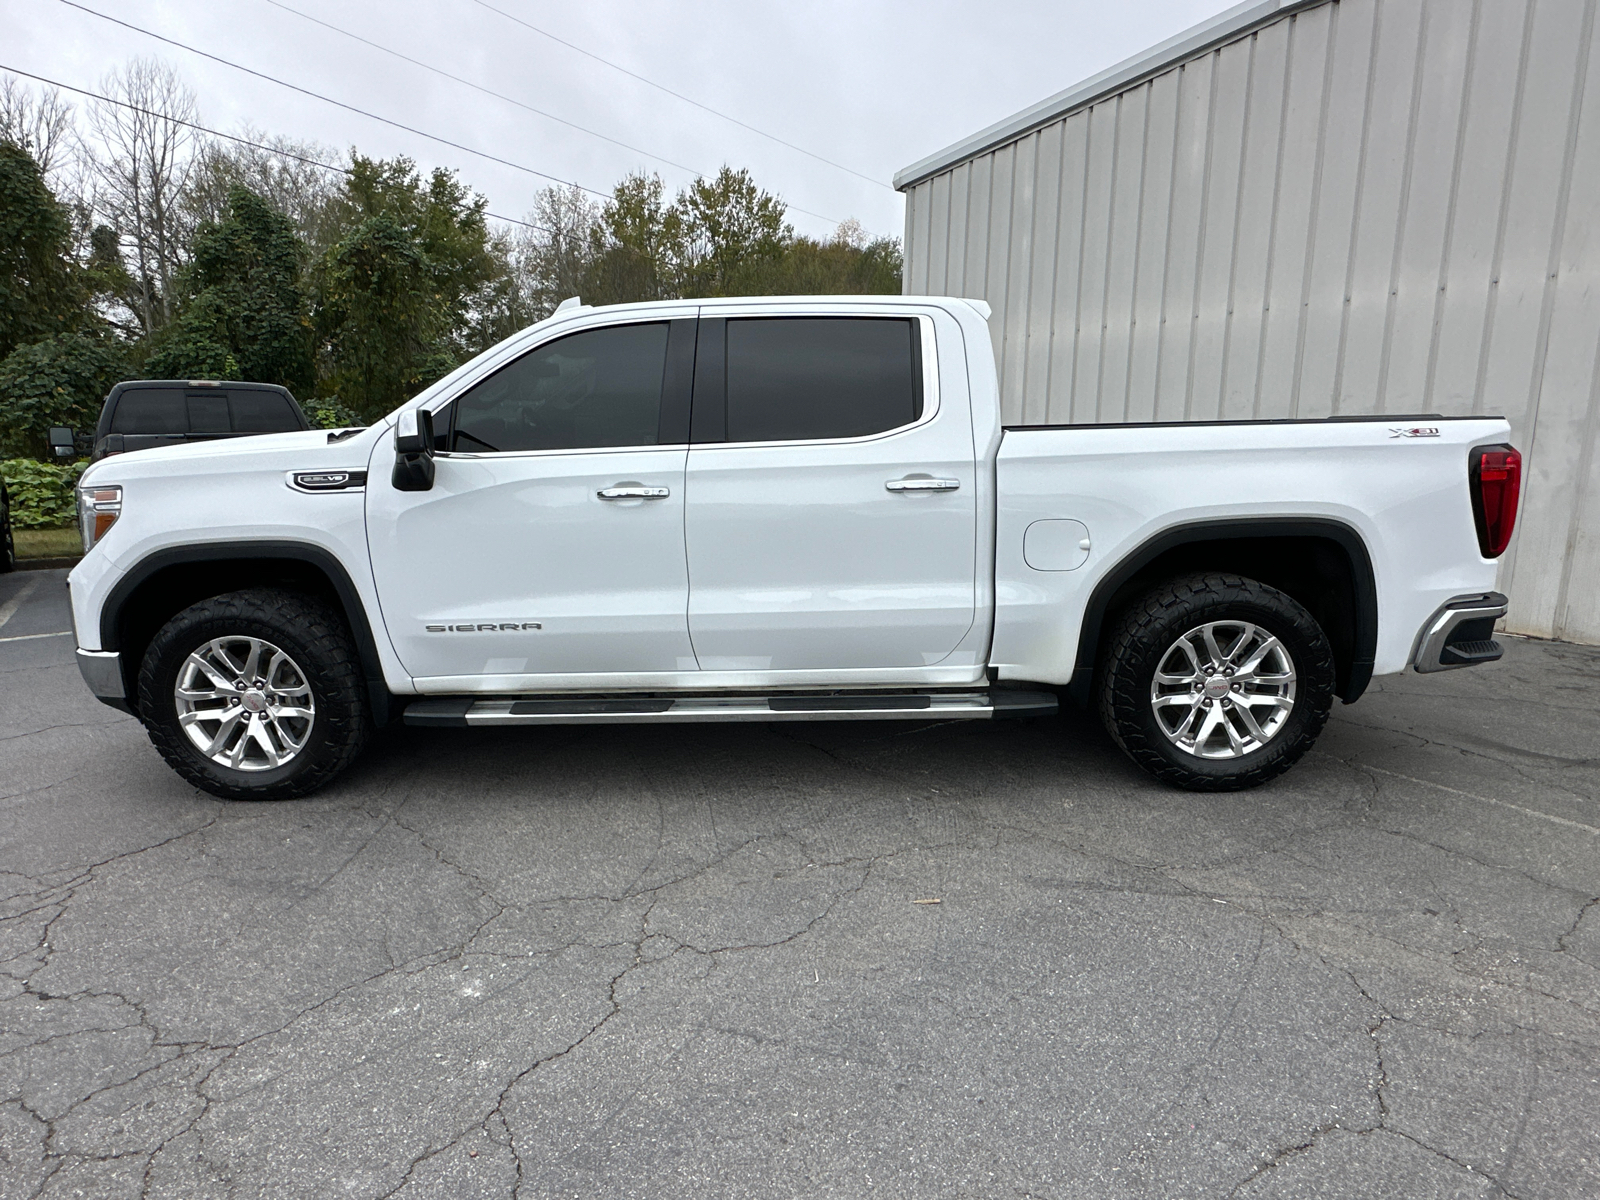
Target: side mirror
[[61, 443], [413, 451]]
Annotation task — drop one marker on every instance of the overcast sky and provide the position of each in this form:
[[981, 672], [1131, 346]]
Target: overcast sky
[[871, 86]]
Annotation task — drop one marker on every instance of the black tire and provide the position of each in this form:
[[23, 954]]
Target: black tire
[[1148, 631], [8, 543], [314, 636]]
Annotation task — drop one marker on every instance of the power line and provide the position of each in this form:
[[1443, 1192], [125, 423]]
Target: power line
[[679, 95], [505, 162], [310, 162], [480, 88], [374, 116]]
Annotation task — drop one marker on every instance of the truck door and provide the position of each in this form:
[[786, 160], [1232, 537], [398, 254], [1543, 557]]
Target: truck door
[[551, 542], [832, 514]]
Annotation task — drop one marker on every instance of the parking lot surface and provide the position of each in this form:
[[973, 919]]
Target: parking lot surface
[[818, 960]]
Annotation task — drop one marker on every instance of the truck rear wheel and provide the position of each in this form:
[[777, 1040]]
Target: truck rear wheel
[[1215, 682], [254, 695]]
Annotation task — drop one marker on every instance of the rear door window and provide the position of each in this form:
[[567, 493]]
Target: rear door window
[[600, 387], [807, 378]]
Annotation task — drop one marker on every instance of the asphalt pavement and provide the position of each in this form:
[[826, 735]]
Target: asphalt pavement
[[806, 960]]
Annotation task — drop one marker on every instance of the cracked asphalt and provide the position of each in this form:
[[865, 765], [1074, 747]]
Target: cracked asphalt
[[705, 962]]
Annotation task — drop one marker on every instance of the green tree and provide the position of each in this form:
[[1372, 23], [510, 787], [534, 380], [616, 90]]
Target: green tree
[[399, 294], [60, 380], [247, 317], [631, 245], [40, 290], [726, 235], [839, 267]]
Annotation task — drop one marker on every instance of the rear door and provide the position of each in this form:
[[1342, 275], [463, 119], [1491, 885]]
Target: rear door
[[832, 513]]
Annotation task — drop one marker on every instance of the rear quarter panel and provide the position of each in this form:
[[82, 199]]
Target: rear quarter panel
[[1405, 497]]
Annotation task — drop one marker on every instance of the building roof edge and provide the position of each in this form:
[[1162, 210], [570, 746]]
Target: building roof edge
[[1225, 26]]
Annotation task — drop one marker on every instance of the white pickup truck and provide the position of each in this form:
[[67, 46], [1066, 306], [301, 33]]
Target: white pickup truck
[[778, 509]]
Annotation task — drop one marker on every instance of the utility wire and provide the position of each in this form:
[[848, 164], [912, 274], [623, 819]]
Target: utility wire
[[478, 87], [371, 115], [310, 162], [505, 162], [679, 95]]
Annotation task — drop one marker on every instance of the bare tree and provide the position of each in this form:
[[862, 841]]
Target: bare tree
[[851, 233], [41, 125], [140, 170], [293, 177]]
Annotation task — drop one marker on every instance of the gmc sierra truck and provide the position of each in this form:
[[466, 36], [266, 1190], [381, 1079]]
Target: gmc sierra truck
[[791, 509]]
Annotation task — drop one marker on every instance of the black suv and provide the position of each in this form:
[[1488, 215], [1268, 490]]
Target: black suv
[[144, 413]]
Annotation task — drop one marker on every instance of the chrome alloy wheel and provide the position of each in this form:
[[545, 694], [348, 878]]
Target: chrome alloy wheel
[[1223, 689], [244, 703]]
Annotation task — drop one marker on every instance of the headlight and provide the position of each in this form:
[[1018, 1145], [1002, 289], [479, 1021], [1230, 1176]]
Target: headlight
[[98, 509]]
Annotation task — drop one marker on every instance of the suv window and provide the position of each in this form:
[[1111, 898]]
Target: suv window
[[600, 387], [799, 378]]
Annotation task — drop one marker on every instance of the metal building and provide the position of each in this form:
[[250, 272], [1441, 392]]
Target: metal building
[[1304, 208]]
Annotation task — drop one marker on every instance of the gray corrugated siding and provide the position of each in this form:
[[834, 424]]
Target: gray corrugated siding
[[1369, 206]]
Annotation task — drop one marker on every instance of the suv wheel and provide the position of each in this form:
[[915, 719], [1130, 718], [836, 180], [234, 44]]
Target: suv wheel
[[8, 543], [254, 695], [1216, 682]]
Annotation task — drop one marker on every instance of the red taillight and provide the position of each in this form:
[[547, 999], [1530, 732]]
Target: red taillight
[[1496, 483]]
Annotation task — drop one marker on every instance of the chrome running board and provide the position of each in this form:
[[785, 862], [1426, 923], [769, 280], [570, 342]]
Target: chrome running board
[[457, 711]]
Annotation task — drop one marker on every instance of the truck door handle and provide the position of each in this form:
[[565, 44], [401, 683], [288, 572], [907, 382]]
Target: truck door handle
[[923, 485], [630, 492]]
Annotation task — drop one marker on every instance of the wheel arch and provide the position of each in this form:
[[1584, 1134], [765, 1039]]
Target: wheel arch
[[1321, 562], [167, 581]]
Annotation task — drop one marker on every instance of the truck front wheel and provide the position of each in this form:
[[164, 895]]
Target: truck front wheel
[[1215, 682], [254, 695]]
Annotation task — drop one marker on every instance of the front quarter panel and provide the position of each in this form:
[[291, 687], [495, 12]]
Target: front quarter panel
[[225, 498]]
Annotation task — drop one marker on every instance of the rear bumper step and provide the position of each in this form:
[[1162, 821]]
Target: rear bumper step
[[1460, 634], [458, 711]]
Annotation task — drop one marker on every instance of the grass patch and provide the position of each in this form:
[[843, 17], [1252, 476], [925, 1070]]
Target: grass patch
[[48, 543]]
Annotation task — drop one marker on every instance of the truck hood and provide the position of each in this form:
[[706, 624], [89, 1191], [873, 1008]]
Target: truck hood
[[308, 449]]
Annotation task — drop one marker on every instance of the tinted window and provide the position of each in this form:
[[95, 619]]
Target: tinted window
[[794, 378], [169, 411], [150, 410], [601, 387], [261, 412], [208, 412]]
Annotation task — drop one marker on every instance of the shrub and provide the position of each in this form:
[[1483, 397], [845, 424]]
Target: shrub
[[61, 380], [41, 492], [325, 412]]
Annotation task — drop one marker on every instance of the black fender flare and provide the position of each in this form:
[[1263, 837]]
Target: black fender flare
[[355, 612], [1327, 528]]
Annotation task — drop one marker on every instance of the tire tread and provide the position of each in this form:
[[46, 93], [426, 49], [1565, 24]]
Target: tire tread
[[1186, 599], [328, 642]]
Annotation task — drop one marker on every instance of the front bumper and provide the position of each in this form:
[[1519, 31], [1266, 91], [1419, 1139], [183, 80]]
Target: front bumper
[[1460, 634], [102, 671]]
